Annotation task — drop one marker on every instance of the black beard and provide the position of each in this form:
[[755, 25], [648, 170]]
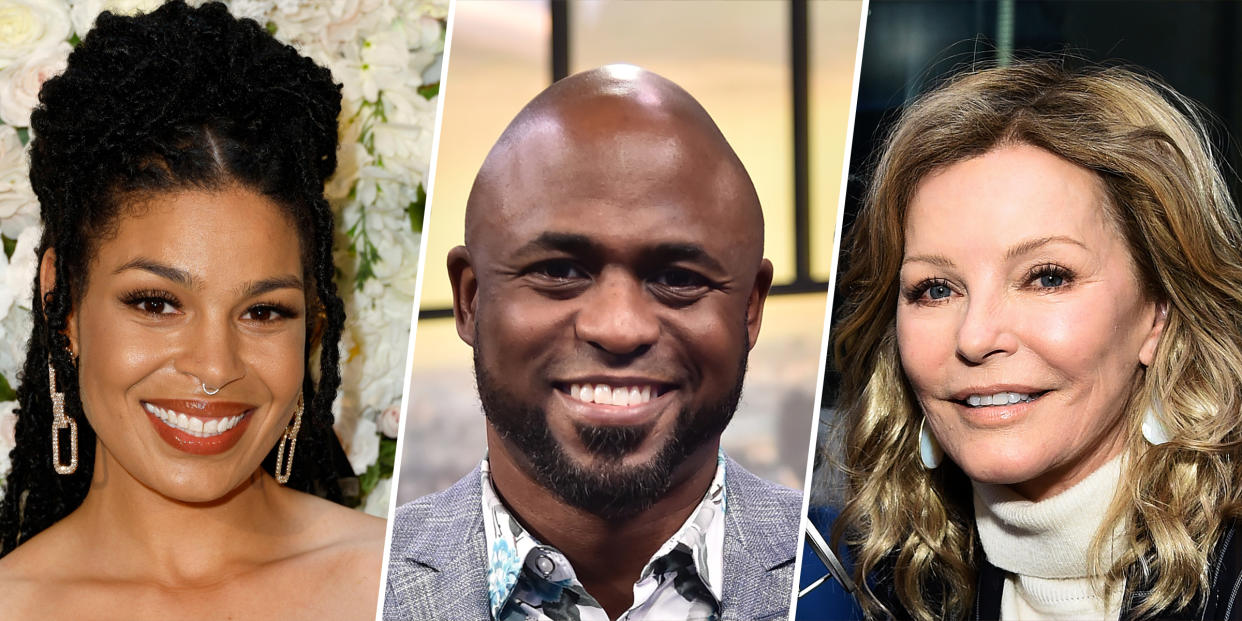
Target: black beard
[[609, 490]]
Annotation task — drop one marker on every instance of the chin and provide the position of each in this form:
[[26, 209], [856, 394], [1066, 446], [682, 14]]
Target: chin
[[999, 466]]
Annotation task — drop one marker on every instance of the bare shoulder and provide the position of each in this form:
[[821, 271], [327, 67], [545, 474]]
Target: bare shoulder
[[36, 569], [336, 526], [343, 551]]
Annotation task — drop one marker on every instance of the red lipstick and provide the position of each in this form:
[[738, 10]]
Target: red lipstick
[[198, 427]]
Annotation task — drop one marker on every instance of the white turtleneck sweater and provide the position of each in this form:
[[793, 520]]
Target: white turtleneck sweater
[[1043, 547]]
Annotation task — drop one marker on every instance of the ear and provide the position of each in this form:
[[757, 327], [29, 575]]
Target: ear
[[1147, 353], [465, 292], [47, 282], [754, 303]]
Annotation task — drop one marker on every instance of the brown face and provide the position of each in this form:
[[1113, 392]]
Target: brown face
[[611, 292], [195, 288]]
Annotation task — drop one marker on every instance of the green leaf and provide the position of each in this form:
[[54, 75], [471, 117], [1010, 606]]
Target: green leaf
[[270, 27], [10, 245], [23, 134], [369, 479], [387, 455], [6, 391], [415, 210], [429, 91], [75, 40]]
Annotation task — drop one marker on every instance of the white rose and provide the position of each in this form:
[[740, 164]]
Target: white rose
[[84, 12], [16, 280], [390, 421], [20, 82], [251, 9], [378, 499], [19, 276], [19, 208], [8, 436], [363, 445], [30, 25]]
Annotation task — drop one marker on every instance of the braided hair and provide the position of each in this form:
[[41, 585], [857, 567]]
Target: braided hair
[[181, 98]]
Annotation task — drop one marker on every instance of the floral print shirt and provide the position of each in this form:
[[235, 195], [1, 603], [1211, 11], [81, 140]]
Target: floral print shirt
[[530, 581]]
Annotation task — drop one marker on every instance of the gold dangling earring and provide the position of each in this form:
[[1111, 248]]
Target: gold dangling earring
[[61, 421], [285, 468]]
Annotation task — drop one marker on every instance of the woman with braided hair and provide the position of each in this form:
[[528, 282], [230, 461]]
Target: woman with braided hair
[[175, 425]]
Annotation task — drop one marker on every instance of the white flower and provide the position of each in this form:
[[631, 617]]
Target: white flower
[[20, 82], [377, 500], [8, 436], [251, 9], [363, 445], [16, 287], [390, 421], [84, 12], [19, 208], [30, 25]]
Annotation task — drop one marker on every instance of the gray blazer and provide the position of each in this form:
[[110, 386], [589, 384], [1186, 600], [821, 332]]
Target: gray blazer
[[437, 570]]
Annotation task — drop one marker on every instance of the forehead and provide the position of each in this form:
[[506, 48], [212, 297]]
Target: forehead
[[621, 184], [227, 234], [1006, 195]]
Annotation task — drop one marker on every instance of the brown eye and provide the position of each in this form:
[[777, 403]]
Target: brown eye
[[264, 313], [155, 306], [558, 270], [679, 279]]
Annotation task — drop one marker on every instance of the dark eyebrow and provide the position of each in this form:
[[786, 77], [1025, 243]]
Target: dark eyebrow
[[168, 272], [183, 278], [571, 243], [673, 252], [581, 245], [271, 284]]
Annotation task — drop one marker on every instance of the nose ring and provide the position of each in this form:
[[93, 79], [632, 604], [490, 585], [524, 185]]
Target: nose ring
[[209, 391]]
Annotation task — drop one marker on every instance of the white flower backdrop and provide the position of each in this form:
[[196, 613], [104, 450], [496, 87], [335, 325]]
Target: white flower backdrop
[[386, 54]]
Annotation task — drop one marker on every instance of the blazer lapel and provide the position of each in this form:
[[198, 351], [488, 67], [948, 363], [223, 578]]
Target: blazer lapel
[[445, 559], [761, 537]]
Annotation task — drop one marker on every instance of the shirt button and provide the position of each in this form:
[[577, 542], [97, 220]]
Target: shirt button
[[544, 565]]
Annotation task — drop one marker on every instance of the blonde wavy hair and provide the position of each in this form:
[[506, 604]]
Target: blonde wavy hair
[[1150, 149]]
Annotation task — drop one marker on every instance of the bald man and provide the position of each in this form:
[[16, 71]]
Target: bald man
[[611, 284]]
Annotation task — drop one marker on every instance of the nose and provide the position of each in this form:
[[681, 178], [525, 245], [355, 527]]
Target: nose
[[209, 352], [986, 331], [617, 316]]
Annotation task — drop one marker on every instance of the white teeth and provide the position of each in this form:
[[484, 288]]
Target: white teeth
[[193, 425], [620, 396], [1000, 398], [611, 395]]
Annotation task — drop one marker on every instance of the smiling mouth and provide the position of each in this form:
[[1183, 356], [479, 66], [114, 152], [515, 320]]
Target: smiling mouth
[[193, 425], [999, 398], [617, 395]]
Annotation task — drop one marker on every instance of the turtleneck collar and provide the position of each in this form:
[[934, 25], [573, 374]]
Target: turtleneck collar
[[1049, 538]]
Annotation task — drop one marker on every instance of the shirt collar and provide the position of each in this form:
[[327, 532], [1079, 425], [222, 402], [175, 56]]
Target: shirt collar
[[509, 543]]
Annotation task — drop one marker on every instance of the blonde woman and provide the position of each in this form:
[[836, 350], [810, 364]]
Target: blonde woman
[[1042, 356]]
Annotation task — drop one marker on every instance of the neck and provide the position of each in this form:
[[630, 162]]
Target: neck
[[136, 533], [607, 554]]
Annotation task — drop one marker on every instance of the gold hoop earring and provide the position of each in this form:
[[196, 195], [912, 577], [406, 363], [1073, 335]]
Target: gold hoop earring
[[285, 468], [61, 421]]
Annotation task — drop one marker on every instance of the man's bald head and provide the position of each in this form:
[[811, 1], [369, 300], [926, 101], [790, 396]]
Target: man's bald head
[[617, 125]]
